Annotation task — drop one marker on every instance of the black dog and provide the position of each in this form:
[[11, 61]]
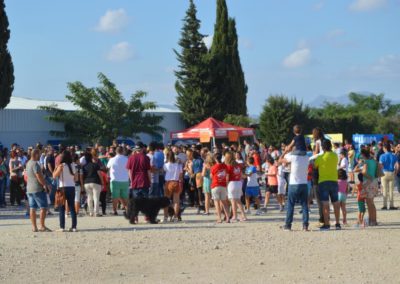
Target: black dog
[[148, 206], [171, 213]]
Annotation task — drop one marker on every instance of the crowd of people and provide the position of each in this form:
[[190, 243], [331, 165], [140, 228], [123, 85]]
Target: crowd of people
[[229, 178]]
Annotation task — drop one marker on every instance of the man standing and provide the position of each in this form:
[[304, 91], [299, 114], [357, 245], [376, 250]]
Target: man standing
[[387, 162], [139, 169], [328, 183], [36, 188], [298, 188], [119, 179]]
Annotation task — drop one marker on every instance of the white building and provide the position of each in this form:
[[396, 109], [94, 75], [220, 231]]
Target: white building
[[23, 123]]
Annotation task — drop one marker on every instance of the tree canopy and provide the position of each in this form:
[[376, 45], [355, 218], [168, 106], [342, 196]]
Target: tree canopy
[[6, 65], [103, 114]]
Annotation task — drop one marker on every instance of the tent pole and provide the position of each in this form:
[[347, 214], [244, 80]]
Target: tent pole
[[214, 144]]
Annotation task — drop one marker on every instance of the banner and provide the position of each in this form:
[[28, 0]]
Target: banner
[[233, 136], [333, 137], [366, 139], [205, 137]]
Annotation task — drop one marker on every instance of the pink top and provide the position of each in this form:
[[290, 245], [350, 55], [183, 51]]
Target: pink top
[[342, 186]]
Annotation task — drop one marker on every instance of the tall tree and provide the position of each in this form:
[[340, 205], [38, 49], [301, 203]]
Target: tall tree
[[228, 83], [103, 114], [6, 65], [193, 99], [238, 85], [278, 117]]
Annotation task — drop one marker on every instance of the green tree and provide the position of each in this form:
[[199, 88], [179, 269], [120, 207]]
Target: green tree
[[238, 120], [6, 65], [238, 87], [103, 114], [193, 98], [278, 117], [226, 74]]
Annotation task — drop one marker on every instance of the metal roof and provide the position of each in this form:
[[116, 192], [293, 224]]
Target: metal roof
[[33, 104]]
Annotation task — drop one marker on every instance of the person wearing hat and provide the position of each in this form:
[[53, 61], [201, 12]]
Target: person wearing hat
[[139, 169]]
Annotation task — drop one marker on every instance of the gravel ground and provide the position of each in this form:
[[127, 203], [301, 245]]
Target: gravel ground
[[110, 250]]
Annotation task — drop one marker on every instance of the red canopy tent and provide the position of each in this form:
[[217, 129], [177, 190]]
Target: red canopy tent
[[212, 128]]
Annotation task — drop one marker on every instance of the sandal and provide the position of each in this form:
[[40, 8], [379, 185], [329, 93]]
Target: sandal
[[219, 222], [45, 229], [35, 230]]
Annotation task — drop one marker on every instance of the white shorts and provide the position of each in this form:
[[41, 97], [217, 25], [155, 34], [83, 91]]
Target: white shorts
[[282, 187], [77, 193], [235, 190]]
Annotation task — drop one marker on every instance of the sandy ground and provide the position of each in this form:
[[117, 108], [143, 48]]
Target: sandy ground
[[110, 250]]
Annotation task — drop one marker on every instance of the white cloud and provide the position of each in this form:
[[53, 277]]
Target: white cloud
[[113, 21], [366, 5], [208, 40], [120, 52], [387, 66], [298, 58]]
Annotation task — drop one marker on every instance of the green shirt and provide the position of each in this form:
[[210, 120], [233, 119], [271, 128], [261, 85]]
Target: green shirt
[[327, 167], [371, 168]]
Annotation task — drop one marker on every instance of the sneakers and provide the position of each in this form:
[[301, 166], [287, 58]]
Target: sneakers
[[248, 212], [281, 208], [61, 230], [259, 212], [338, 227], [384, 208], [306, 229], [286, 228], [73, 230], [393, 208], [325, 228]]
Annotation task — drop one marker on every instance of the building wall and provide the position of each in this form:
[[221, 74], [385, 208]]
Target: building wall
[[27, 127]]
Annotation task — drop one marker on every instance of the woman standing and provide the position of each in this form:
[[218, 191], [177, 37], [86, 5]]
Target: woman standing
[[208, 163], [173, 182], [16, 179], [370, 184], [67, 174], [197, 174], [234, 186], [92, 180]]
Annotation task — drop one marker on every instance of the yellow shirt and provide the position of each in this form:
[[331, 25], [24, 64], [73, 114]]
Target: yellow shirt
[[327, 167]]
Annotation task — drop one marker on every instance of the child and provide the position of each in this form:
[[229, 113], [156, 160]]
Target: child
[[253, 188], [219, 193], [342, 184], [299, 142], [272, 176], [360, 201]]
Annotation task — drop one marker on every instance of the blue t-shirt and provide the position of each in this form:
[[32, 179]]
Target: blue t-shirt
[[300, 142], [388, 161], [251, 172], [158, 159]]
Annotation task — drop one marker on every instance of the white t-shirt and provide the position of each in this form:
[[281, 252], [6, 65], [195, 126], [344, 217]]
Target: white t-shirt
[[344, 164], [299, 169], [172, 171], [117, 166], [65, 178]]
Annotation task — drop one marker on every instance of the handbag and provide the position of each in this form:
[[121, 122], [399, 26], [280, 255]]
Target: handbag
[[59, 199]]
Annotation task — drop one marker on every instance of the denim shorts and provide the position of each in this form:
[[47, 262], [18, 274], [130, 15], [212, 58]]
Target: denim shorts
[[38, 200], [328, 189]]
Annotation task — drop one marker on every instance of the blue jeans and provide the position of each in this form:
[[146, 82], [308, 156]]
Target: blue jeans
[[154, 190], [3, 183], [53, 183], [70, 199], [139, 193], [297, 193]]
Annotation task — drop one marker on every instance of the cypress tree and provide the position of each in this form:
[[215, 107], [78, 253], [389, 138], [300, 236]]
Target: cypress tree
[[6, 65], [238, 84], [227, 77], [192, 76]]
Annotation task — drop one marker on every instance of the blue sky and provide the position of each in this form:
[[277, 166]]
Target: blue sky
[[305, 49]]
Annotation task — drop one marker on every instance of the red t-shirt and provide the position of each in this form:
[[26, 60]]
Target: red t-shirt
[[257, 160], [272, 175], [219, 172], [235, 172], [139, 166]]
